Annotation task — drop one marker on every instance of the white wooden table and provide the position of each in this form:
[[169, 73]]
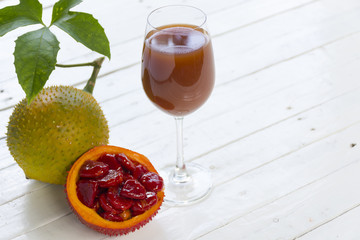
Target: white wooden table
[[280, 133]]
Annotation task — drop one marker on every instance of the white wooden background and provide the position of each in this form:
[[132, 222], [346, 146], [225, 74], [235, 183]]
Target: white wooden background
[[280, 133]]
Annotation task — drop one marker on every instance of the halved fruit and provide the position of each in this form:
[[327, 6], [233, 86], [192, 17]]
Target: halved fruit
[[114, 190]]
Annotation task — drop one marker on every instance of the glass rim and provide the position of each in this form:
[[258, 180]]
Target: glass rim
[[176, 5]]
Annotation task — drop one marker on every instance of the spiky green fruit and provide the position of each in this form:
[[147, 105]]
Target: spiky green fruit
[[46, 136]]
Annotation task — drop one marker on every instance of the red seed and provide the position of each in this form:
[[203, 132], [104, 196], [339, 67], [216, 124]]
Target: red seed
[[116, 188], [152, 181], [139, 171], [112, 178], [125, 162], [110, 160], [128, 176], [111, 216], [117, 201], [133, 189], [151, 198], [87, 190], [139, 207], [105, 205], [93, 169]]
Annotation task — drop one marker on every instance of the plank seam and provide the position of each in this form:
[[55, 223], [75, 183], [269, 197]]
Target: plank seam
[[287, 194], [133, 118], [292, 57], [138, 62], [266, 18], [252, 133], [27, 193], [232, 179], [85, 81], [291, 152], [328, 221], [68, 213], [276, 123]]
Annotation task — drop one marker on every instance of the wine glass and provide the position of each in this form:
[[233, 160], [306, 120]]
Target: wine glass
[[178, 77]]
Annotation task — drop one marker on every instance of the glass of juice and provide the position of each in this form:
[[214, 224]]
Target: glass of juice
[[178, 76]]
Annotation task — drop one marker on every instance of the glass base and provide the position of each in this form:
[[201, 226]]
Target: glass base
[[187, 190]]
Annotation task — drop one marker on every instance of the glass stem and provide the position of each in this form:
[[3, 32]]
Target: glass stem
[[180, 174]]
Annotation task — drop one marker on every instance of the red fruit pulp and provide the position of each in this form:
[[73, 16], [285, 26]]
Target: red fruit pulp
[[152, 181], [139, 171], [151, 198], [116, 187], [111, 216], [112, 178], [92, 169], [117, 201], [106, 206], [87, 191], [139, 207], [110, 160], [125, 162], [133, 189]]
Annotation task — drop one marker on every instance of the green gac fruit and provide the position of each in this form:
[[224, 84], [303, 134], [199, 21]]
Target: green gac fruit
[[46, 136]]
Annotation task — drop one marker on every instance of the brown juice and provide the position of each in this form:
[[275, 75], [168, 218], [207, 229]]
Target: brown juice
[[178, 68]]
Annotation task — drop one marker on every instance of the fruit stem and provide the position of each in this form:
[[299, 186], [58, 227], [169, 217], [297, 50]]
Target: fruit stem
[[92, 80], [75, 65]]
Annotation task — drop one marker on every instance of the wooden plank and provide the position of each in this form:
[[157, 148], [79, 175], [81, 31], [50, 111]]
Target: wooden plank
[[22, 213], [243, 53], [5, 157], [279, 134], [341, 227], [234, 197], [261, 145], [120, 32], [303, 209], [114, 84], [160, 128], [254, 151], [267, 184], [223, 118]]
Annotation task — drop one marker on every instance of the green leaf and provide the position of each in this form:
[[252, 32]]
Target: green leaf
[[35, 59], [61, 8], [27, 12], [83, 27]]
